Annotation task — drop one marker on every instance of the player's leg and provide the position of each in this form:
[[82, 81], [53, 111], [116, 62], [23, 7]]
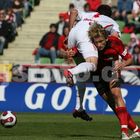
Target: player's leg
[[125, 119], [134, 127], [104, 90], [90, 54], [106, 94], [131, 123], [121, 111], [80, 111], [81, 87], [120, 102]]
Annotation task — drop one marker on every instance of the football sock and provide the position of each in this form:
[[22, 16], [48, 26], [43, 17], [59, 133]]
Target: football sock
[[122, 115], [83, 68], [131, 124], [81, 87], [77, 102]]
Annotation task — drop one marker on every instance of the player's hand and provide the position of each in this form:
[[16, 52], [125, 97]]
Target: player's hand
[[70, 53], [118, 66]]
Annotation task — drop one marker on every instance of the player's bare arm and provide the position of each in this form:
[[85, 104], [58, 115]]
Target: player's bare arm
[[73, 16], [124, 63]]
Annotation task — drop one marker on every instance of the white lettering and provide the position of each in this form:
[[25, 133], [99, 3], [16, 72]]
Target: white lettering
[[39, 75], [124, 93], [58, 77], [90, 96], [66, 100], [137, 108], [108, 109], [39, 99], [2, 92]]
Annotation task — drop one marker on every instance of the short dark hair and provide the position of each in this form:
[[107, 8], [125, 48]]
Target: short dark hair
[[104, 9], [52, 25], [71, 5]]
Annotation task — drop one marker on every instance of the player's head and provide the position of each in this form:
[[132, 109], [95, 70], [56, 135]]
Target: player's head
[[98, 35], [104, 10]]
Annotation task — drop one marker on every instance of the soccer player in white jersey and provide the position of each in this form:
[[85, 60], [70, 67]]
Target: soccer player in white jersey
[[79, 37]]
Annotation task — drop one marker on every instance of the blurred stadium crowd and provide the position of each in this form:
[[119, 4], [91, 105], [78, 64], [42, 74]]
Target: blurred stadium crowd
[[51, 46], [126, 13], [12, 15]]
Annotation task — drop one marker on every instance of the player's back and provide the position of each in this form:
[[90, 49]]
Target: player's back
[[88, 18]]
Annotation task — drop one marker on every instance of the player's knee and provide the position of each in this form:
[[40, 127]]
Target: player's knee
[[93, 61]]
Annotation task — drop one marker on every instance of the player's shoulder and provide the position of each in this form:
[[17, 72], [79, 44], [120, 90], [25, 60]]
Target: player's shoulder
[[114, 39], [116, 43]]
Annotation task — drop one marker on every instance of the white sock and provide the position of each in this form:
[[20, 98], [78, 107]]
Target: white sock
[[136, 128], [77, 101], [83, 68], [81, 87]]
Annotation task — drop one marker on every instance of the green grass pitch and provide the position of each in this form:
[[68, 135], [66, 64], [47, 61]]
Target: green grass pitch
[[44, 126]]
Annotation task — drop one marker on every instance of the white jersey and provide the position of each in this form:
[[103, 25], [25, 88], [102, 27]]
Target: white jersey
[[89, 18], [78, 36]]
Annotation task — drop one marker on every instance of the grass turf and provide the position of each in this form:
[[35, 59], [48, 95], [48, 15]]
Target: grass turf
[[44, 126]]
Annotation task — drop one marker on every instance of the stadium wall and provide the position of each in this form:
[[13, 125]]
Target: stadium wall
[[58, 98], [42, 88]]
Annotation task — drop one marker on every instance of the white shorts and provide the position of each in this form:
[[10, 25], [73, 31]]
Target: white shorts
[[79, 38]]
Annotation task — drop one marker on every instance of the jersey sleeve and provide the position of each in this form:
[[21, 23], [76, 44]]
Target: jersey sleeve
[[120, 48]]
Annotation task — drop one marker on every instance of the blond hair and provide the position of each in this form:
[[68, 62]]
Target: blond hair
[[96, 30]]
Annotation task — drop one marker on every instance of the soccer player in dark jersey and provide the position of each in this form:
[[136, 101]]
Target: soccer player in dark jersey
[[109, 49]]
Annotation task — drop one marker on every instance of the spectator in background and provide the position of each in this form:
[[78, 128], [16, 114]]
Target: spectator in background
[[79, 4], [116, 14], [2, 43], [28, 8], [124, 8], [136, 10], [4, 31], [6, 27], [61, 24], [133, 42], [5, 4], [136, 55], [86, 7], [36, 2], [93, 4], [18, 9], [129, 28], [67, 14], [62, 47], [48, 45], [11, 19]]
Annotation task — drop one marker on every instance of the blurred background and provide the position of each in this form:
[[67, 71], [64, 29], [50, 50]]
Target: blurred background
[[32, 34]]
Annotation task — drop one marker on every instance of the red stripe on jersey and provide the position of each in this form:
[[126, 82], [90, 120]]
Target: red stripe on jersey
[[108, 26]]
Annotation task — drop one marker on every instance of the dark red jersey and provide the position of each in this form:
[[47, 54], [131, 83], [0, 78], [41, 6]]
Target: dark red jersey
[[113, 49]]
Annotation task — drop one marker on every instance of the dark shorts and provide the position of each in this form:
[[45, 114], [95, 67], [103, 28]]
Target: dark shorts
[[103, 86]]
